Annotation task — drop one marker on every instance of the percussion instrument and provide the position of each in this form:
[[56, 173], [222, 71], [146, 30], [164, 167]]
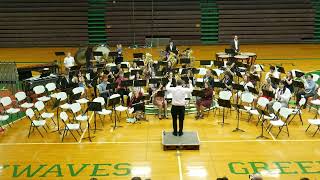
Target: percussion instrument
[[252, 57]]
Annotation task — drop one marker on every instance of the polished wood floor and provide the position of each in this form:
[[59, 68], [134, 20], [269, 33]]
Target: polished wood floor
[[136, 150]]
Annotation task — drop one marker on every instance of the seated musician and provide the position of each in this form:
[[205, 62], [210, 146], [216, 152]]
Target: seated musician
[[246, 83], [289, 81], [160, 101], [133, 67], [102, 87], [227, 80], [208, 77], [309, 89], [82, 82], [68, 61], [268, 87], [272, 73], [120, 89], [64, 82], [205, 101], [174, 80], [136, 97], [282, 95], [118, 71], [108, 72], [93, 81]]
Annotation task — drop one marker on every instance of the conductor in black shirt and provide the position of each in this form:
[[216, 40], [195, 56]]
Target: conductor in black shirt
[[171, 48], [235, 45]]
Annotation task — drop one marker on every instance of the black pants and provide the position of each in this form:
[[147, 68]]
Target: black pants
[[175, 112], [306, 95]]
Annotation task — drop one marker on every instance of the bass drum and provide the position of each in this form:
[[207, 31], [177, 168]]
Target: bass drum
[[80, 56]]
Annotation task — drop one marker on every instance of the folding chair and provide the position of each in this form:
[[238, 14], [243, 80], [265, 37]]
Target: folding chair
[[262, 104], [68, 126], [35, 123], [51, 87], [119, 108], [104, 111], [22, 100], [76, 109], [3, 118], [282, 121], [6, 101], [39, 105], [224, 95], [298, 111], [40, 91], [78, 90]]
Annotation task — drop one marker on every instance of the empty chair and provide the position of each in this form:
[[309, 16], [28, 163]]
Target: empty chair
[[68, 126], [51, 87], [22, 100], [2, 119], [62, 96], [282, 121], [298, 111], [35, 123], [261, 104], [39, 105], [104, 112], [247, 97], [76, 108], [314, 122], [78, 90], [119, 108], [6, 101], [40, 91]]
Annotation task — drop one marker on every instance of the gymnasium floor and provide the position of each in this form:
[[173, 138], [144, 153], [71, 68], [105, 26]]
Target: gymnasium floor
[[136, 150]]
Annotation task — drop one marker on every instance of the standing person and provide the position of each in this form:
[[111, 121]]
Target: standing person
[[68, 61], [89, 56], [235, 45], [178, 103]]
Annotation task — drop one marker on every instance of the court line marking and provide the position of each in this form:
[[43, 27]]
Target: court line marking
[[85, 130], [179, 164], [145, 142]]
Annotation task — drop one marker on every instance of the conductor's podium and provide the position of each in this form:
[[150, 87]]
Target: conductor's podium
[[188, 141]]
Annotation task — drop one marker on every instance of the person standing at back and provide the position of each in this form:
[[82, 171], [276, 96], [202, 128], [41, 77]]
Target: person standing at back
[[178, 103]]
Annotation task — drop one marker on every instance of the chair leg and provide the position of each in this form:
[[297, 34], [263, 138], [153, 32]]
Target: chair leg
[[53, 121], [73, 136], [280, 129], [308, 128], [39, 131], [101, 120], [78, 132], [316, 131], [287, 130], [45, 128], [300, 118], [64, 132], [29, 131], [249, 118]]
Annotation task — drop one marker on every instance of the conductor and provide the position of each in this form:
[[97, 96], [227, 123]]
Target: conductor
[[178, 103]]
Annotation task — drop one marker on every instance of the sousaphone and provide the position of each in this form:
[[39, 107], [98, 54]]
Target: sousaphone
[[80, 56]]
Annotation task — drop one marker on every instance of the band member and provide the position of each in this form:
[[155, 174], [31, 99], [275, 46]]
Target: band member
[[136, 97], [282, 95], [68, 61], [93, 82], [102, 87], [272, 73], [120, 89], [205, 101], [119, 50], [160, 101], [227, 80], [178, 104], [289, 81], [309, 89], [235, 45], [89, 56], [171, 48], [208, 77]]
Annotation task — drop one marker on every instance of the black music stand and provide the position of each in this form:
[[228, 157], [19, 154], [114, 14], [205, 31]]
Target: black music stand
[[127, 83], [163, 63], [95, 107], [280, 69], [275, 81], [113, 55], [56, 104], [113, 102], [225, 104], [137, 55], [195, 71], [97, 53], [126, 75], [74, 97], [185, 61], [118, 60], [135, 71], [159, 73], [254, 77], [124, 66], [205, 62], [252, 90], [298, 84], [154, 80], [140, 83], [219, 85], [197, 93], [200, 84], [238, 87], [186, 79], [184, 71], [299, 74], [267, 93], [238, 107], [263, 113]]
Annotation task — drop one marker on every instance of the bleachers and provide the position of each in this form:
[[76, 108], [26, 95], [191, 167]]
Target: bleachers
[[266, 20]]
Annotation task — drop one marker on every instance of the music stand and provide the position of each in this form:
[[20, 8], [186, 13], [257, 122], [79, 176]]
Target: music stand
[[298, 84], [205, 62], [94, 107], [154, 80], [127, 83], [254, 77], [124, 66], [184, 71], [267, 93], [74, 97], [252, 90], [197, 93], [140, 83], [97, 53], [238, 107], [225, 104], [280, 69], [113, 102], [135, 71], [163, 63], [275, 81], [159, 73], [186, 80], [139, 63], [219, 85], [195, 71], [126, 75], [185, 61], [263, 113], [200, 84], [299, 74], [137, 55], [60, 54]]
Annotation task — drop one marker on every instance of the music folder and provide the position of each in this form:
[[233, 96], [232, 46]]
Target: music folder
[[218, 64], [137, 55], [163, 63], [195, 71], [238, 87], [127, 83], [124, 66], [159, 73], [184, 71], [184, 61], [59, 53], [185, 79], [154, 80], [219, 85], [205, 62], [140, 83], [135, 71], [198, 93], [252, 90], [298, 84], [200, 84], [268, 93], [113, 54], [275, 80], [299, 74]]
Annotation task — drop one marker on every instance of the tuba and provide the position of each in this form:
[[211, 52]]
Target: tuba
[[80, 56], [173, 59]]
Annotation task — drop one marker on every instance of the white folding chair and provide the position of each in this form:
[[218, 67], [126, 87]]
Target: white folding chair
[[68, 126], [62, 96], [282, 121], [81, 90], [22, 100], [35, 124], [76, 108], [262, 104], [119, 108], [247, 97], [315, 122], [40, 91], [3, 117], [298, 111], [6, 101], [51, 87], [39, 105], [104, 112]]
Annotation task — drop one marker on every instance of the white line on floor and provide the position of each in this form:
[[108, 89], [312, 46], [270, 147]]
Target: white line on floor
[[179, 165], [85, 130]]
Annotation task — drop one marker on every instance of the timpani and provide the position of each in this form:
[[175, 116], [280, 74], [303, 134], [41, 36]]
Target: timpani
[[224, 57], [242, 58], [218, 54], [252, 57]]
